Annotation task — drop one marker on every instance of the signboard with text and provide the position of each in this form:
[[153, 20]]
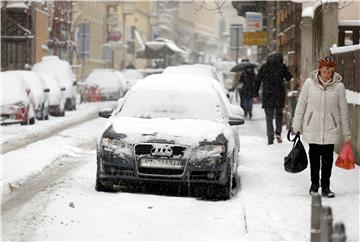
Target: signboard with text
[[255, 38]]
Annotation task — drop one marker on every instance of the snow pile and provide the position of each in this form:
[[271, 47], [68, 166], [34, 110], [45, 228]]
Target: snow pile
[[15, 136], [349, 23], [353, 97], [343, 49], [35, 158]]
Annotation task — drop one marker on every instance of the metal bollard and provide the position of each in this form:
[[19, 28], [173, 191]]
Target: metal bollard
[[339, 233], [326, 224], [315, 217]]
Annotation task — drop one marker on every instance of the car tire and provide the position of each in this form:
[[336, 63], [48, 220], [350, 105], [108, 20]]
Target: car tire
[[225, 191]]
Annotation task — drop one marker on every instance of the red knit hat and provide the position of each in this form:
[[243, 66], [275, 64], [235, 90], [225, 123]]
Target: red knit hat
[[327, 61]]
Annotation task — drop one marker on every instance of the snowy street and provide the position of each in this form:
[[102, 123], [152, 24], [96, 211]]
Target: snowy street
[[52, 196]]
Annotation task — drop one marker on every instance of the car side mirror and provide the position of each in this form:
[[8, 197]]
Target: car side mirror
[[63, 89], [74, 83], [236, 121], [236, 110], [105, 113], [46, 90]]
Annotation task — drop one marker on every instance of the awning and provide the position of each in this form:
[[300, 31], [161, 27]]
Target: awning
[[159, 48]]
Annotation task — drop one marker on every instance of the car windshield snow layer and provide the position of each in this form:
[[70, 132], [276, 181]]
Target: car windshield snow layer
[[175, 105]]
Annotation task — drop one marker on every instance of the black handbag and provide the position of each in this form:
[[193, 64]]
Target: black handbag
[[296, 161]]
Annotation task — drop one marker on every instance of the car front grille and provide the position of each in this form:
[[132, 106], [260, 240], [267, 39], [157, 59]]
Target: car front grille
[[145, 149], [159, 171]]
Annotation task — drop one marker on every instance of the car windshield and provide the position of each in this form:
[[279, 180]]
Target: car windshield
[[175, 105]]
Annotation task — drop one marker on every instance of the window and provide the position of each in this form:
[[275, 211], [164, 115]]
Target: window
[[83, 39]]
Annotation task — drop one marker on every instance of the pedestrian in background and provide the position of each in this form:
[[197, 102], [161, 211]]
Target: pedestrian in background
[[272, 75], [247, 91], [236, 86], [321, 115]]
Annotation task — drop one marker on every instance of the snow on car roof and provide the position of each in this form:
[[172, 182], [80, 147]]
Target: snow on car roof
[[174, 82], [12, 88], [196, 69], [52, 64], [132, 74]]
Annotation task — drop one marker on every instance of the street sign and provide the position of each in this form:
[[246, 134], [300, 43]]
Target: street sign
[[254, 21], [255, 38], [236, 35]]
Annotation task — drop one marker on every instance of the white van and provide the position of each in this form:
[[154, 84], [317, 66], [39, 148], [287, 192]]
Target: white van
[[62, 70]]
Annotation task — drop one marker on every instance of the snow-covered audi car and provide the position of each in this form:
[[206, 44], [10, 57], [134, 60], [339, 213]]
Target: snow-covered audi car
[[169, 131]]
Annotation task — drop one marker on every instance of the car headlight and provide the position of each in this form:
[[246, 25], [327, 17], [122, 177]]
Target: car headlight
[[212, 150], [113, 144]]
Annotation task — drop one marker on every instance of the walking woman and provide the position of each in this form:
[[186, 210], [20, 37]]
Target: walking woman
[[321, 116]]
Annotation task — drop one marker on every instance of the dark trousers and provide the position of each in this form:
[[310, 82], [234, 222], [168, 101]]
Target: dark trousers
[[325, 154], [269, 112]]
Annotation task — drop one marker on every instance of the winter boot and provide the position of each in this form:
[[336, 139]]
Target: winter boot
[[278, 138], [246, 113], [326, 192], [313, 189], [270, 141]]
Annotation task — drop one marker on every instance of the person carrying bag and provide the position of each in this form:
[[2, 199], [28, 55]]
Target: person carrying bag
[[321, 115], [296, 161]]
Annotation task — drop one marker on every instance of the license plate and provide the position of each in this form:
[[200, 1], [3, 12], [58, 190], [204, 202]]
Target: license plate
[[161, 163]]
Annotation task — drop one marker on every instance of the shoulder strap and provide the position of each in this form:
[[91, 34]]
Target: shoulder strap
[[297, 136]]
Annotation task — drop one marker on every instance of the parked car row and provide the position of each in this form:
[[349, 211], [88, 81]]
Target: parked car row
[[108, 84], [29, 95], [176, 127]]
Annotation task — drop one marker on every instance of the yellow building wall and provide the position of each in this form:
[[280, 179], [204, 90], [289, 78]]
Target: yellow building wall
[[94, 13], [41, 34]]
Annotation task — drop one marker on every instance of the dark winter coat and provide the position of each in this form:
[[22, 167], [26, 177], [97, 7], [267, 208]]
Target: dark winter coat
[[272, 75], [248, 84]]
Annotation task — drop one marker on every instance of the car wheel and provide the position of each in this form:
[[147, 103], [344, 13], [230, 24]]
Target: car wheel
[[225, 192]]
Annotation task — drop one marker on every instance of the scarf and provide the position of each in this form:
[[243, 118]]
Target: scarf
[[324, 83]]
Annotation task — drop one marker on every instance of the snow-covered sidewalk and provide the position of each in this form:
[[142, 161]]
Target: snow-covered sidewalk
[[15, 136], [277, 203]]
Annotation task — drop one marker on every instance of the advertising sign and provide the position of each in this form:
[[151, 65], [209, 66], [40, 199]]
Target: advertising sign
[[254, 21]]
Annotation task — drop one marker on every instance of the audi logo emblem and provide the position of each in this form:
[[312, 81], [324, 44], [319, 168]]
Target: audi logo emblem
[[161, 151]]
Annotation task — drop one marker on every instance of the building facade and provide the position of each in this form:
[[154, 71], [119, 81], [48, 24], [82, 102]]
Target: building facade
[[23, 39], [89, 33]]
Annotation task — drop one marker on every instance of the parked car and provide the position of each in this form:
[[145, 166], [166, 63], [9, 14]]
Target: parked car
[[172, 132], [131, 77], [40, 93], [109, 83], [17, 103], [62, 70], [56, 94], [195, 69]]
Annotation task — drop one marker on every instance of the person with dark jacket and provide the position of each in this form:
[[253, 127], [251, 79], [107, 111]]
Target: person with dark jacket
[[246, 93], [272, 75]]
